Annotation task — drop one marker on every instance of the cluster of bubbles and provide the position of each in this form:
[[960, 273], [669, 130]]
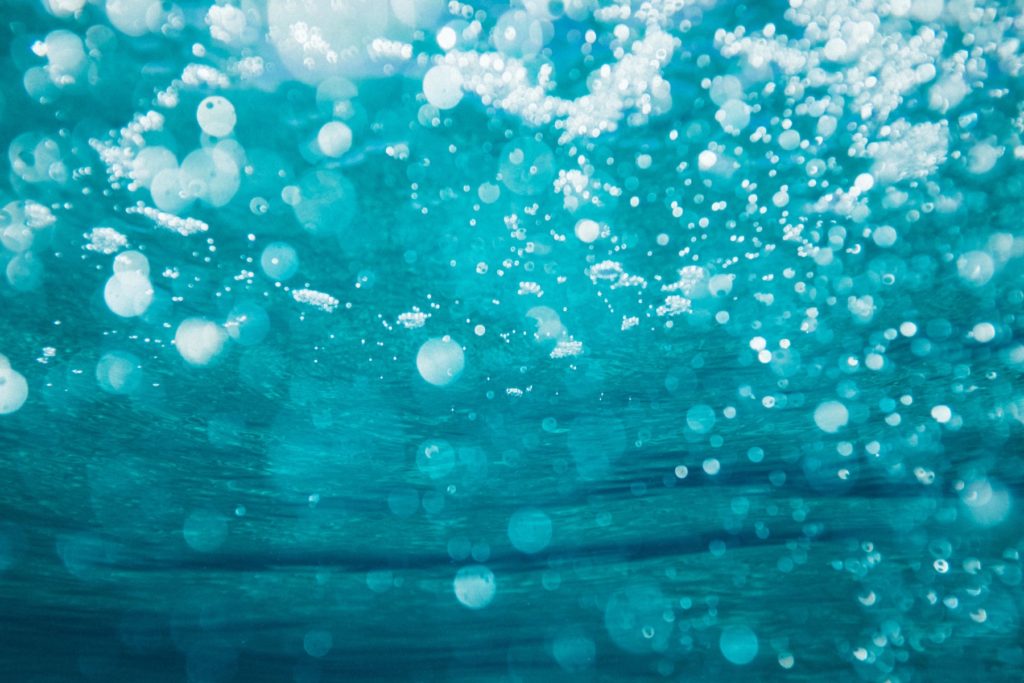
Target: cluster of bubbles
[[667, 313]]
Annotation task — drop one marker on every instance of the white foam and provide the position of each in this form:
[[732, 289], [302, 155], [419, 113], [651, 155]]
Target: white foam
[[316, 40], [311, 297], [105, 240], [169, 221]]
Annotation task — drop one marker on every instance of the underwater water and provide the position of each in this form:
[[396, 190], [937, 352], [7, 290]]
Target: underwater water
[[542, 340]]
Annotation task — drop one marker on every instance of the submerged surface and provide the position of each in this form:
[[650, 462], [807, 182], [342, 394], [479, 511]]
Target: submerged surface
[[575, 340]]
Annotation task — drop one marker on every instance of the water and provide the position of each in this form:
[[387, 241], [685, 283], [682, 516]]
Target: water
[[473, 342]]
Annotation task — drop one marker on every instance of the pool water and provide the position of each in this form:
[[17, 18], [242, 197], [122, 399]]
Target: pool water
[[542, 340]]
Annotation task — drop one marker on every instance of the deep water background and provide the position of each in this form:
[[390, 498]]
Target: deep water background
[[301, 506]]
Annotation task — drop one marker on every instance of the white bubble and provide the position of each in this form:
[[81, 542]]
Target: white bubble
[[587, 230], [131, 262], [548, 324], [168, 190], [864, 182], [442, 86], [17, 236], [700, 418], [884, 236], [279, 261], [488, 193], [65, 56], [149, 162], [942, 414], [205, 531], [635, 619], [789, 140], [983, 332], [247, 324], [721, 284], [988, 503], [527, 166], [210, 175], [831, 416], [319, 39], [707, 160], [835, 49], [529, 530], [199, 341], [436, 459], [982, 158], [446, 38], [725, 88], [975, 267], [229, 24], [324, 202], [128, 293], [131, 16], [13, 389], [118, 372], [733, 116], [334, 139], [440, 361], [24, 272], [63, 8], [518, 34], [216, 116], [826, 126], [926, 10], [738, 644], [474, 586]]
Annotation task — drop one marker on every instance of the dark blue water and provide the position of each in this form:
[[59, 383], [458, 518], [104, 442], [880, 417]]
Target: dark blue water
[[542, 341]]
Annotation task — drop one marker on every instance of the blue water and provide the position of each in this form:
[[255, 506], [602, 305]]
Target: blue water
[[541, 341]]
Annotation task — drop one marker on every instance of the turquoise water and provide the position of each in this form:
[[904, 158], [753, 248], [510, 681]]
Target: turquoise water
[[530, 341]]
